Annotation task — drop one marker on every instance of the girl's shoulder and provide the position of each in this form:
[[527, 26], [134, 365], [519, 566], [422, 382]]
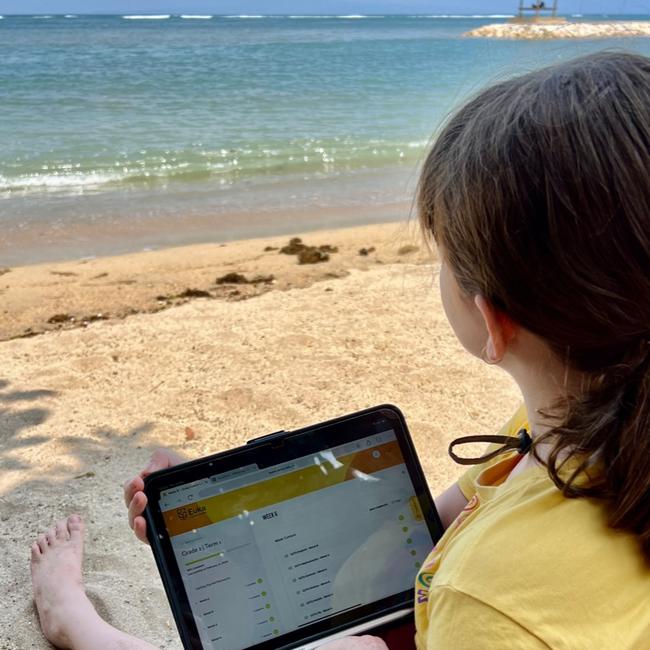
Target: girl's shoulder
[[467, 482], [551, 564]]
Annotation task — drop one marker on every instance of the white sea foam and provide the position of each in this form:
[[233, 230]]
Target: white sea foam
[[353, 16], [57, 182], [42, 16], [465, 16], [246, 16], [147, 17], [190, 17], [71, 16]]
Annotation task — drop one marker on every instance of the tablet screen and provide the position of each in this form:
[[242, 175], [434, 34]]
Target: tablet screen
[[267, 551]]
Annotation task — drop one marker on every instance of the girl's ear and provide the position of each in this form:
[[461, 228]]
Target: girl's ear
[[500, 329]]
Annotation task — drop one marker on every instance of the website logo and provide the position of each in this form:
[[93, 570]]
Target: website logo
[[188, 512]]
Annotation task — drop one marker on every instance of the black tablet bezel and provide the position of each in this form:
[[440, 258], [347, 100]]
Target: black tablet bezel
[[267, 451]]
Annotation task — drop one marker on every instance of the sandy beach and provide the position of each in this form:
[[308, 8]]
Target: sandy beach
[[186, 260], [85, 401]]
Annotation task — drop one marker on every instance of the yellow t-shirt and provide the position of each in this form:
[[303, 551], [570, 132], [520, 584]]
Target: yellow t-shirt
[[524, 567]]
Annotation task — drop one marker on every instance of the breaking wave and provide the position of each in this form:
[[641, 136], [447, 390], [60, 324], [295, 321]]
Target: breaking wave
[[147, 17]]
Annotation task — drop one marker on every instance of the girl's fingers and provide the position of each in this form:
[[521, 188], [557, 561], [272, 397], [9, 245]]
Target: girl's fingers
[[134, 497], [140, 529], [160, 459], [131, 487], [137, 506]]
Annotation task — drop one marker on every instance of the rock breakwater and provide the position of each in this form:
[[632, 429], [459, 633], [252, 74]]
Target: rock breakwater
[[542, 31]]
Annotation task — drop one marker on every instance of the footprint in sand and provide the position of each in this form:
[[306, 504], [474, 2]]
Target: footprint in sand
[[92, 363], [237, 397], [293, 341]]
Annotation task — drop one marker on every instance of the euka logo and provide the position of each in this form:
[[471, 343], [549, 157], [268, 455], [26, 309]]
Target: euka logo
[[187, 512]]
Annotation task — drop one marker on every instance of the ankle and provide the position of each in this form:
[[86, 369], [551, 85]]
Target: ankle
[[65, 620]]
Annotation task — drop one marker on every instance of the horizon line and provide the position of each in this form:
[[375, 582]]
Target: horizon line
[[337, 15]]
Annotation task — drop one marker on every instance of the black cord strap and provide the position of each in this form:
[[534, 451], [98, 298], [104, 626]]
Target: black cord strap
[[521, 442]]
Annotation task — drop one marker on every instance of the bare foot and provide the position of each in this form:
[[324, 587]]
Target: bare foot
[[56, 578]]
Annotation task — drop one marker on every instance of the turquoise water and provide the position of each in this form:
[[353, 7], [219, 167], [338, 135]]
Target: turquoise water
[[112, 120]]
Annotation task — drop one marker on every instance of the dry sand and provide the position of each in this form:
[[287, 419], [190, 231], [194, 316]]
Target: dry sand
[[543, 31], [83, 408]]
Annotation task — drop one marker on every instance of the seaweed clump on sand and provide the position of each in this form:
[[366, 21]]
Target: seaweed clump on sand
[[194, 293], [238, 278], [58, 319], [62, 319], [308, 254], [364, 252]]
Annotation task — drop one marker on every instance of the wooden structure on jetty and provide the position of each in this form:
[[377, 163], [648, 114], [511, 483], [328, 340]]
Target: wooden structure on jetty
[[538, 12], [538, 20]]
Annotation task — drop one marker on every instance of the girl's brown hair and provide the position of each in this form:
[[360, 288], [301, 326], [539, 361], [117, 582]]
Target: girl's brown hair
[[538, 190]]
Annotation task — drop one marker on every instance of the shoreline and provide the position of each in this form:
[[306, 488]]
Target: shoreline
[[41, 243], [66, 295], [49, 228]]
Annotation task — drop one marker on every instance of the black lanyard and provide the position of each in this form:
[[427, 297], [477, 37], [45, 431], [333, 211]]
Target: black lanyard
[[521, 442]]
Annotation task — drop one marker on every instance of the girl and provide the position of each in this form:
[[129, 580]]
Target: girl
[[537, 193]]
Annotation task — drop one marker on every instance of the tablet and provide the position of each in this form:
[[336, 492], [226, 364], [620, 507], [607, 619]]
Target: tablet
[[294, 537]]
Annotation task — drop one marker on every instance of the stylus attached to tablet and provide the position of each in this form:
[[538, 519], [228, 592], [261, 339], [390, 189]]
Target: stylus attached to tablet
[[297, 538]]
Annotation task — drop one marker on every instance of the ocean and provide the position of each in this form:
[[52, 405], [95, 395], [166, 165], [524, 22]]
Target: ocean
[[121, 133]]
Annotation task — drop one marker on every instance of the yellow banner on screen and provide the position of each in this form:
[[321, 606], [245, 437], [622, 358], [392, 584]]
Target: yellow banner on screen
[[288, 486]]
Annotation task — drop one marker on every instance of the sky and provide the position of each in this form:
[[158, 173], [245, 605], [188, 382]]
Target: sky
[[337, 7]]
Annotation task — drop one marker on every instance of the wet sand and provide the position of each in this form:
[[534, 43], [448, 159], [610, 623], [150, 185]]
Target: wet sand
[[62, 295]]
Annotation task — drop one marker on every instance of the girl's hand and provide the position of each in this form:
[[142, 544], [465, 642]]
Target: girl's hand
[[134, 496], [356, 643]]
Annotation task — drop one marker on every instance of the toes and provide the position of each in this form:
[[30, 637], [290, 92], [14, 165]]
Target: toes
[[62, 534], [75, 527], [36, 552], [62, 531], [50, 536], [42, 543]]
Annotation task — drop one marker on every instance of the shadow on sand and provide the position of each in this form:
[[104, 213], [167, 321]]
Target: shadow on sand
[[48, 476]]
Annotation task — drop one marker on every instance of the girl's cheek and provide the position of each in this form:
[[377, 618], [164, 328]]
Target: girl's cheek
[[461, 313]]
